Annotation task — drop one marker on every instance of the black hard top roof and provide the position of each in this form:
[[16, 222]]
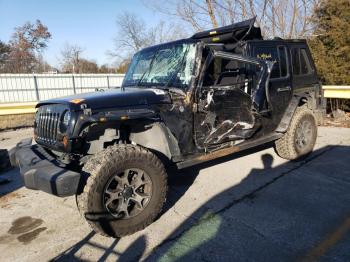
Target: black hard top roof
[[290, 41]]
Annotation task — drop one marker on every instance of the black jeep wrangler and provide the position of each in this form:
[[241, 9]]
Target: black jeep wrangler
[[184, 102]]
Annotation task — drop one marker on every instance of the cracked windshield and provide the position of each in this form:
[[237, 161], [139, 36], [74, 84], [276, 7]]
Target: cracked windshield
[[168, 66]]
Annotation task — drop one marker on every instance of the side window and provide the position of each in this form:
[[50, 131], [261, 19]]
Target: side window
[[296, 61], [224, 72], [277, 54], [304, 62], [228, 72], [282, 51], [301, 62], [269, 53]]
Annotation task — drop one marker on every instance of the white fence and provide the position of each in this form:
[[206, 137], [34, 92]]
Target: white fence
[[16, 88]]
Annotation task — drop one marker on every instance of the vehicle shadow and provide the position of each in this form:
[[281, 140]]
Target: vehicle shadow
[[5, 180], [133, 252], [292, 212], [180, 181], [71, 253], [10, 180]]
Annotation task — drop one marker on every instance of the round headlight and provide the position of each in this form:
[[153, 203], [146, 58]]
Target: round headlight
[[66, 118]]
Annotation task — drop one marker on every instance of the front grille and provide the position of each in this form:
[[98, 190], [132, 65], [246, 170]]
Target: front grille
[[47, 122]]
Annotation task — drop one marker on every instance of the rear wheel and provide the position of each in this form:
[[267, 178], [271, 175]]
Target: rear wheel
[[300, 138], [125, 190]]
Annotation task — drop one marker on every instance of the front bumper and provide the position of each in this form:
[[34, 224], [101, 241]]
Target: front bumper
[[43, 172]]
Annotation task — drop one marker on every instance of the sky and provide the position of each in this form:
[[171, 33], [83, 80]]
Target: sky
[[90, 24]]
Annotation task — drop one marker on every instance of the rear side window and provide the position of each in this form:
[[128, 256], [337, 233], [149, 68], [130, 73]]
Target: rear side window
[[296, 61], [305, 66], [283, 60], [277, 54], [300, 61]]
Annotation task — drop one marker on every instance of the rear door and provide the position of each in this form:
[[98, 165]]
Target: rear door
[[304, 73], [280, 84]]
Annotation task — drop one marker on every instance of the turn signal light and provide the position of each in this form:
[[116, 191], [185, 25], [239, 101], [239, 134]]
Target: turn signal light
[[77, 101], [65, 141]]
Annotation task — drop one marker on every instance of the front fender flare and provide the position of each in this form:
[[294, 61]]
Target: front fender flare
[[159, 138]]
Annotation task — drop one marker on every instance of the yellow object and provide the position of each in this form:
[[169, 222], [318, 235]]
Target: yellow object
[[212, 33], [124, 117], [65, 141], [103, 119], [77, 101], [336, 92], [18, 108]]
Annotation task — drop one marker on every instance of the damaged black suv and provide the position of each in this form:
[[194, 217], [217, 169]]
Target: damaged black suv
[[184, 102]]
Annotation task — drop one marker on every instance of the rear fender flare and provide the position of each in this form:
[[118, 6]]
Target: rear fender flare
[[296, 101]]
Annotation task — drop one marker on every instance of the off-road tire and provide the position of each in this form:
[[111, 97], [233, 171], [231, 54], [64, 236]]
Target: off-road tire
[[100, 168], [286, 145]]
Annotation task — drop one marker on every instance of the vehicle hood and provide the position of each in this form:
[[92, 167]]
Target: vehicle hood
[[113, 98]]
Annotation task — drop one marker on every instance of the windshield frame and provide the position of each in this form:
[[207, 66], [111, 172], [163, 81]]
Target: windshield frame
[[155, 50]]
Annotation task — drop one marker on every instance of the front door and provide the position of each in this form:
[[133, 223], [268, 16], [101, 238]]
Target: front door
[[226, 98]]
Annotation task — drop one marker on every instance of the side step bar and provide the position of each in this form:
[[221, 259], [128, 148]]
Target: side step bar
[[226, 151]]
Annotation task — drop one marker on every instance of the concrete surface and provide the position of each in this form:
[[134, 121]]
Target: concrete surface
[[253, 206]]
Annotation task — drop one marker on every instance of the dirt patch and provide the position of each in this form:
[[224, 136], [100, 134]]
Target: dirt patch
[[4, 200], [330, 121], [16, 121]]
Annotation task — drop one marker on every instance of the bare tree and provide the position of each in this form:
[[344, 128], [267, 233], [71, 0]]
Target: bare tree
[[133, 35], [88, 66], [71, 55], [106, 69], [284, 18]]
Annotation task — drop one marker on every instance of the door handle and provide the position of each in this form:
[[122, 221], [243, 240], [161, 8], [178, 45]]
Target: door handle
[[283, 89]]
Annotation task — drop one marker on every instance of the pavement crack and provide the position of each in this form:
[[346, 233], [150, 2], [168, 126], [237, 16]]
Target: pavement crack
[[178, 213]]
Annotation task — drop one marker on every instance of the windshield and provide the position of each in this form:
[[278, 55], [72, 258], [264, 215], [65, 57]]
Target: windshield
[[166, 66]]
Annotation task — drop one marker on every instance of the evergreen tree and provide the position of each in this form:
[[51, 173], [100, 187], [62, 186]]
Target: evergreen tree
[[330, 44]]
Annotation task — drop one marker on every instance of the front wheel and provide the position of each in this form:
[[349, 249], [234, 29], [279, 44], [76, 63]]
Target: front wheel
[[300, 138], [125, 190]]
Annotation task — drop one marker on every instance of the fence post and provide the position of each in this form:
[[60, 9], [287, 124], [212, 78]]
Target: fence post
[[73, 80], [108, 81], [36, 88]]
